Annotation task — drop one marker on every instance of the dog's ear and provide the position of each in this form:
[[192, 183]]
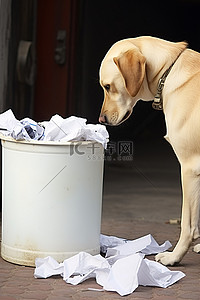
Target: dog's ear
[[131, 64]]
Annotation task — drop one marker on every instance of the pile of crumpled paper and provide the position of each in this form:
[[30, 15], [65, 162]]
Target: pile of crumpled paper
[[56, 129], [122, 269]]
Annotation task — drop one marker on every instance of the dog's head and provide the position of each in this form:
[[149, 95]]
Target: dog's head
[[121, 76]]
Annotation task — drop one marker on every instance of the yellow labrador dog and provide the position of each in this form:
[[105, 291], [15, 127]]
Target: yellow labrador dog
[[150, 68]]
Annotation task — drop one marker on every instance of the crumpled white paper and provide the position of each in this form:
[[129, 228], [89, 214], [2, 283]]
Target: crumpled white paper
[[74, 128], [110, 242], [8, 121], [25, 129], [146, 244], [57, 129], [123, 272]]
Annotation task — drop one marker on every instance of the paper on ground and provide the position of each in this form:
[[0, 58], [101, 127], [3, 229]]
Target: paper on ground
[[46, 267], [145, 244], [122, 272], [152, 273], [109, 242], [57, 129]]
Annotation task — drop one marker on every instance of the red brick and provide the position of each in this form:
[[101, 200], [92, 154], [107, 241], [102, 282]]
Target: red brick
[[37, 294], [7, 298]]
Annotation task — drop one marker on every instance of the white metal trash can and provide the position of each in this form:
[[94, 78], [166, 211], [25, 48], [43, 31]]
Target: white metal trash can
[[52, 199]]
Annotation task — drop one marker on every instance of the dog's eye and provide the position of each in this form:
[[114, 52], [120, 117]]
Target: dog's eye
[[107, 87]]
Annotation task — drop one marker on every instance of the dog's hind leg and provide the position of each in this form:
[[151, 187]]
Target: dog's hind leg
[[190, 216]]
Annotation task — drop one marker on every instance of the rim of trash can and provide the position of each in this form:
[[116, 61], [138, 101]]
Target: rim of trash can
[[38, 142]]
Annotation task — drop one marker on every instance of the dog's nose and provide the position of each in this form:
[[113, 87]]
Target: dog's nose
[[102, 119]]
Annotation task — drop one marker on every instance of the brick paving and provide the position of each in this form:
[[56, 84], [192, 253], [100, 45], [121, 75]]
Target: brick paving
[[137, 201], [17, 282]]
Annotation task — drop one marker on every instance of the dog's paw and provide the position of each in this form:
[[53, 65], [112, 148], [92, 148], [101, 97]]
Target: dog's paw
[[197, 248], [167, 258]]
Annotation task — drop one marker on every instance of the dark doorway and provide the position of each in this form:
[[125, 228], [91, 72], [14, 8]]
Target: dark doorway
[[21, 58], [57, 24]]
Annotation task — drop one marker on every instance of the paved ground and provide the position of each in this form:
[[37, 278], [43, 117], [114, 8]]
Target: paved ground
[[140, 196]]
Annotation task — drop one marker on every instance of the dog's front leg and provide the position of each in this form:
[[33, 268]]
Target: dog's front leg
[[190, 216]]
